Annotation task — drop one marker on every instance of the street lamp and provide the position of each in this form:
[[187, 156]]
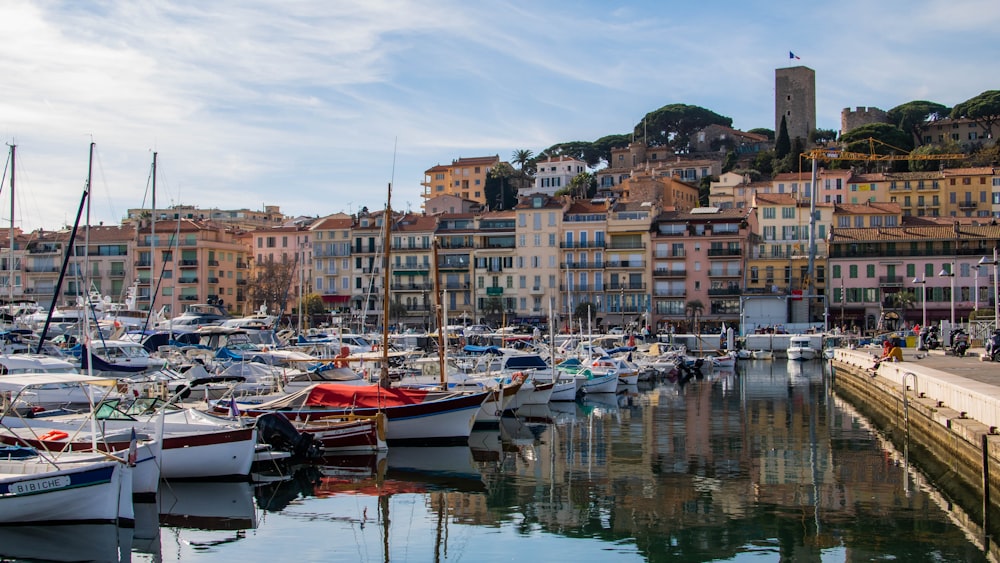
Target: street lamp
[[945, 273], [622, 305], [923, 300], [996, 285]]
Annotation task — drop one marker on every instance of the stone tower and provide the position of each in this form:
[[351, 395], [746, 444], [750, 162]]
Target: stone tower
[[795, 99]]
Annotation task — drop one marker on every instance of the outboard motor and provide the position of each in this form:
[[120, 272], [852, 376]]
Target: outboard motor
[[278, 432]]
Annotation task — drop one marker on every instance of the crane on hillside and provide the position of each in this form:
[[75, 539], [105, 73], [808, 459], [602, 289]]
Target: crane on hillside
[[832, 153]]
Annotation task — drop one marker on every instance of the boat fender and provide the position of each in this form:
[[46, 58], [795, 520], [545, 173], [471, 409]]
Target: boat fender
[[54, 435], [518, 377], [381, 420]]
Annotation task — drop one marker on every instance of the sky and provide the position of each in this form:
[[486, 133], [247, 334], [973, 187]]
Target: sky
[[317, 106]]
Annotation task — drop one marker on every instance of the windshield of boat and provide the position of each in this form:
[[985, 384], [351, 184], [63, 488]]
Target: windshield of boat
[[111, 410]]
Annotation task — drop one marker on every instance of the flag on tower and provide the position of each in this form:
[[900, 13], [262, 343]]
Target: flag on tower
[[792, 55]]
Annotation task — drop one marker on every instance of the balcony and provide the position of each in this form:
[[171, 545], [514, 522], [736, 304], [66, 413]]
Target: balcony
[[42, 269], [724, 252], [214, 263], [725, 274], [188, 263], [411, 287], [627, 246], [676, 254], [537, 290], [665, 273], [890, 280], [44, 249], [967, 205], [213, 280], [578, 288], [241, 281], [626, 286], [187, 280], [670, 292], [117, 272], [585, 244], [720, 291], [188, 297], [582, 265], [242, 265], [626, 264]]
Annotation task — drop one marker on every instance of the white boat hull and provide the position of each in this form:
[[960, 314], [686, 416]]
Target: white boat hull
[[31, 491], [605, 383]]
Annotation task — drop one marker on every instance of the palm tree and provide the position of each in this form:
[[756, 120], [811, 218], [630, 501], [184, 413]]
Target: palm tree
[[905, 299], [521, 157], [695, 307]]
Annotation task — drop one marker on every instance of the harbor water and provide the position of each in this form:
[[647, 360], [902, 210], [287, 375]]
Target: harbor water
[[763, 463]]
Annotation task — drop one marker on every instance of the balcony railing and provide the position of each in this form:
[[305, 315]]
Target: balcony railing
[[626, 286], [187, 280], [665, 273], [717, 252], [724, 291], [189, 262], [626, 264], [587, 244], [890, 280], [626, 246], [213, 280], [582, 265], [411, 287]]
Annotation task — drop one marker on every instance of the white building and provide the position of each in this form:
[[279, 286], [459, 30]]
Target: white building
[[554, 174]]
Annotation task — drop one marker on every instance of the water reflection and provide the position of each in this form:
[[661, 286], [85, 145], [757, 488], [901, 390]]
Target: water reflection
[[759, 462]]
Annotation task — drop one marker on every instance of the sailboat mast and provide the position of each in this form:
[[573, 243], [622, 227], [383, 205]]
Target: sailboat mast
[[10, 263], [152, 243], [386, 247], [438, 317]]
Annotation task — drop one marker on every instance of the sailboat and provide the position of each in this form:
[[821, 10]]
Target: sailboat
[[418, 417]]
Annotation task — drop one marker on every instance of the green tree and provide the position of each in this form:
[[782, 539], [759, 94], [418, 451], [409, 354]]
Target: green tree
[[271, 283], [984, 109], [912, 117], [608, 142], [769, 133], [880, 138], [730, 162], [502, 185], [521, 157], [581, 150], [583, 185], [694, 308], [822, 136], [585, 310], [950, 147], [493, 309], [673, 124], [783, 144], [397, 311]]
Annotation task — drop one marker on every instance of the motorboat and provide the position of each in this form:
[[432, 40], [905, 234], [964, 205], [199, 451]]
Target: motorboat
[[802, 348]]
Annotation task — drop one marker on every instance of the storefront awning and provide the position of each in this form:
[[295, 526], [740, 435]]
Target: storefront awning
[[336, 298]]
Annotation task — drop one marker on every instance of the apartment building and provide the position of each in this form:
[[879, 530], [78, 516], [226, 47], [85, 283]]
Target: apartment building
[[937, 262], [189, 262], [494, 269], [698, 271], [464, 178], [539, 222], [554, 174], [582, 245], [456, 237], [331, 266], [285, 250], [246, 219], [411, 280]]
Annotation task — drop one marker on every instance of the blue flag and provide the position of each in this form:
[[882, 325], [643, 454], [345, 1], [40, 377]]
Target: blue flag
[[792, 55]]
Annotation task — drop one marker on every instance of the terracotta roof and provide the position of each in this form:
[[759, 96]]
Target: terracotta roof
[[776, 199], [870, 208], [413, 222], [980, 171], [587, 207], [333, 223], [475, 160], [915, 233]]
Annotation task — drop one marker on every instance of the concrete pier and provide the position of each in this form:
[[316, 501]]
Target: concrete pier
[[945, 410]]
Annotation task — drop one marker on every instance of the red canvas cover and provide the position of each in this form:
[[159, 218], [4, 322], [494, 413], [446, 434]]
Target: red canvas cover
[[362, 396]]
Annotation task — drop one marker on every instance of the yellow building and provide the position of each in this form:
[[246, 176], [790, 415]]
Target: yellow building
[[464, 177]]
